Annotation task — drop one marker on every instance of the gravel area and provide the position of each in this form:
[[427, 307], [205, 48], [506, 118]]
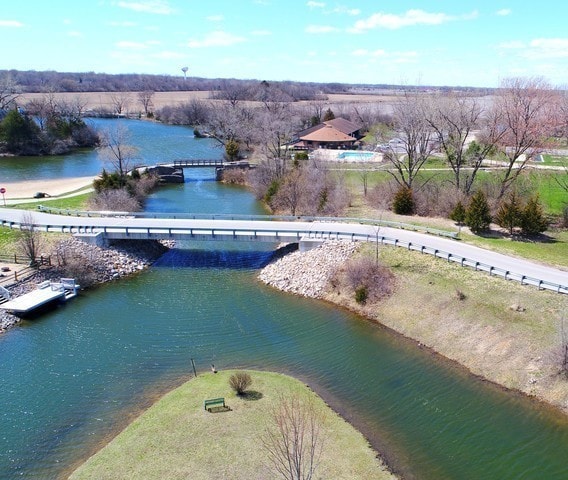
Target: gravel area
[[307, 273]]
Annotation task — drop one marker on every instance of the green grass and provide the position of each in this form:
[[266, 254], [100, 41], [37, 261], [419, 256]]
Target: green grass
[[77, 202], [176, 438], [553, 250]]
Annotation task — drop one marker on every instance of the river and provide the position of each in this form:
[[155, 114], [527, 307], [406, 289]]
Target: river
[[73, 377]]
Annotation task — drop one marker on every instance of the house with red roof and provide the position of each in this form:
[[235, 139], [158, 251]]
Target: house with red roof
[[338, 133]]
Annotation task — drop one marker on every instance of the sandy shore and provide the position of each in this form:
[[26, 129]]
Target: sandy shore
[[55, 187]]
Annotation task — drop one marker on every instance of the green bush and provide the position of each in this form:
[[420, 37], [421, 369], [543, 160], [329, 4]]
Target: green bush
[[533, 220], [458, 213], [510, 214], [361, 294], [478, 215], [403, 202], [232, 149]]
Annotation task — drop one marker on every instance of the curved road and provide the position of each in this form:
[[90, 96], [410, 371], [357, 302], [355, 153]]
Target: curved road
[[251, 230]]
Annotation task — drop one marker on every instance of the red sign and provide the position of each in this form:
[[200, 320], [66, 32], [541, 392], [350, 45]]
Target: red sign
[[2, 190]]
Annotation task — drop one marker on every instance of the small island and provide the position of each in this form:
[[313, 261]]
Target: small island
[[178, 438]]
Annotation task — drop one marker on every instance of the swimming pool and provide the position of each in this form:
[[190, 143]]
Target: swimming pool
[[356, 155]]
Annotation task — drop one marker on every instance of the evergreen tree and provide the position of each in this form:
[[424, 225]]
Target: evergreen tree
[[458, 213], [533, 220], [403, 202], [328, 115], [232, 149], [510, 213], [19, 132], [477, 215]]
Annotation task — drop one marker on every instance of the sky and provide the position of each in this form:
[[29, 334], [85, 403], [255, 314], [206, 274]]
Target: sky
[[436, 42]]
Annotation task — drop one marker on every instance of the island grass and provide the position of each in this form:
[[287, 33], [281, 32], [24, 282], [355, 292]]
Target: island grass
[[177, 438]]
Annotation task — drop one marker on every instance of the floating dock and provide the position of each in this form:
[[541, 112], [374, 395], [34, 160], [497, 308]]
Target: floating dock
[[46, 292]]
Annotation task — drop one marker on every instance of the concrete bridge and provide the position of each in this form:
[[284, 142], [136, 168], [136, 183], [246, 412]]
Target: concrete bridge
[[102, 226]]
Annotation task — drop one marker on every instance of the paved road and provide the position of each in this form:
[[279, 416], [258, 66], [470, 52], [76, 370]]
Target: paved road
[[268, 230]]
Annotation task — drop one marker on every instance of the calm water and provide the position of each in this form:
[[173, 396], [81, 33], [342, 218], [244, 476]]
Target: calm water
[[70, 378], [175, 143]]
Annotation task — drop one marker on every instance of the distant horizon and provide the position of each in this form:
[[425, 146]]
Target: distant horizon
[[468, 44], [190, 78]]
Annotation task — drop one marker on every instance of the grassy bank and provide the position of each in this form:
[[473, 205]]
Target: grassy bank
[[498, 329], [177, 438]]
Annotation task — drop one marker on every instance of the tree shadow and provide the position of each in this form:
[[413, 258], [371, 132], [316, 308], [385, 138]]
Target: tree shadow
[[251, 395]]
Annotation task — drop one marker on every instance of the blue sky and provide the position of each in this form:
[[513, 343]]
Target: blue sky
[[475, 43]]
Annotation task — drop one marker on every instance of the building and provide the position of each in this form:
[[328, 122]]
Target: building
[[338, 133]]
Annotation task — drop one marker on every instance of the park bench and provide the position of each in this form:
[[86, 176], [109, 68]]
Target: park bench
[[214, 402]]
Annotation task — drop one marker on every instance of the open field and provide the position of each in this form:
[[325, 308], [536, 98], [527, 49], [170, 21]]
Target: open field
[[177, 438]]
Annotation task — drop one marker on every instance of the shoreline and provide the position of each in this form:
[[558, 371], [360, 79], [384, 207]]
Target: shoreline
[[294, 274], [20, 191]]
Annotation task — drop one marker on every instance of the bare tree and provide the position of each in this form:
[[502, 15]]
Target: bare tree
[[454, 119], [524, 108], [145, 99], [30, 239], [116, 150], [120, 102], [9, 92], [415, 140], [293, 441]]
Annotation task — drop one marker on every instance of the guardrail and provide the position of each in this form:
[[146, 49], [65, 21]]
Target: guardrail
[[216, 216], [467, 262]]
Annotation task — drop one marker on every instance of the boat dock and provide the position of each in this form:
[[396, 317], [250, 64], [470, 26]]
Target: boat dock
[[45, 293]]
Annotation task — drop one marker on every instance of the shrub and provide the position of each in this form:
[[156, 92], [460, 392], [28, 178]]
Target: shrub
[[369, 280], [510, 214], [361, 294], [478, 215], [239, 382], [403, 202], [533, 220], [458, 213], [232, 150]]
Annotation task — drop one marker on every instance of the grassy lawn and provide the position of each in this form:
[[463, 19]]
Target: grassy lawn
[[77, 202], [177, 438]]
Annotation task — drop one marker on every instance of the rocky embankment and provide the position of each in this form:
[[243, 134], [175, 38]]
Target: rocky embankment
[[97, 265], [308, 273]]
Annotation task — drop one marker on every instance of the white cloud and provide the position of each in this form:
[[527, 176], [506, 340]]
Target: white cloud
[[346, 11], [392, 21], [313, 4], [131, 45], [215, 18], [261, 33], [159, 7], [216, 39], [74, 33], [11, 23], [320, 29], [547, 48], [504, 12]]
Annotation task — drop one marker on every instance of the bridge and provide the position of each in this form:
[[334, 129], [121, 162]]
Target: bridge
[[124, 225]]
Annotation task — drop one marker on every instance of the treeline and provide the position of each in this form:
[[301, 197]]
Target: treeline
[[21, 134], [32, 81]]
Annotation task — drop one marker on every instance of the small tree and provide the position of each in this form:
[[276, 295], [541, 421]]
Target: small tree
[[328, 115], [533, 220], [510, 213], [239, 382], [403, 202], [30, 239], [232, 149], [458, 213], [478, 215], [293, 440]]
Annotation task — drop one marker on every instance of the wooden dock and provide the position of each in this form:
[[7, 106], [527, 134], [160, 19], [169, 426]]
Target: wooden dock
[[46, 292]]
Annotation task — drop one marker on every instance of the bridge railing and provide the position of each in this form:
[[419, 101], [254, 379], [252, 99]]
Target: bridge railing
[[274, 234], [278, 218]]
